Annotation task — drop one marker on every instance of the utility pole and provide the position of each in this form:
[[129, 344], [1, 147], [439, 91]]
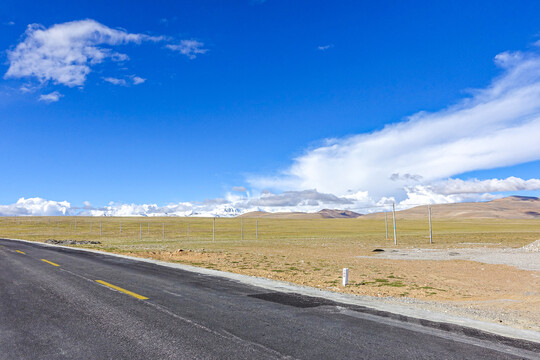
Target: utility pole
[[394, 216]]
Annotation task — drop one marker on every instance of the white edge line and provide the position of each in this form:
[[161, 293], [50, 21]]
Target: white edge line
[[366, 301]]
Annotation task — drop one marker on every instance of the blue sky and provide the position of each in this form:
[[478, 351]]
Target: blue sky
[[253, 94]]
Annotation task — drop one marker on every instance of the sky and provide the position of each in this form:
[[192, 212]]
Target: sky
[[216, 108]]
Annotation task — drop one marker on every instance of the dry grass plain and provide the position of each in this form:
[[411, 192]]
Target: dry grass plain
[[313, 252]]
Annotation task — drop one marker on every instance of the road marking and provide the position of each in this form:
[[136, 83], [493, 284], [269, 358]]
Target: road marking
[[140, 297], [49, 262], [20, 252]]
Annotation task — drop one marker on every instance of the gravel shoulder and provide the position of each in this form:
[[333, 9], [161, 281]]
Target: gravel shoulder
[[524, 258]]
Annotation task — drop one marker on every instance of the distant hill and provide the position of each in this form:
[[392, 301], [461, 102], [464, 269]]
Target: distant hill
[[511, 207], [323, 214]]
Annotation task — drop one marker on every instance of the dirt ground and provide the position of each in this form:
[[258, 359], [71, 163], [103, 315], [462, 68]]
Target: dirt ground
[[490, 292]]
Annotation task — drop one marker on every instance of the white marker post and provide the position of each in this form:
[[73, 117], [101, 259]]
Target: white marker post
[[394, 216], [430, 232], [345, 276]]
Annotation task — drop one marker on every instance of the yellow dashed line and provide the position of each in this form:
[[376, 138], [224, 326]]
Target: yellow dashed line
[[20, 252], [49, 262], [140, 297]]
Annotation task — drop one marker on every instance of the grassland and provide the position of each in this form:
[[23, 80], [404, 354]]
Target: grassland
[[313, 252]]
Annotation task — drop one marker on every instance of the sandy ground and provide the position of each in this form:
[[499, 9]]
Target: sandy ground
[[488, 284]]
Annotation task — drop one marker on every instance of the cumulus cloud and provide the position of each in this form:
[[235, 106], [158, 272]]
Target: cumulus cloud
[[494, 127], [52, 97], [36, 207], [64, 53], [189, 48]]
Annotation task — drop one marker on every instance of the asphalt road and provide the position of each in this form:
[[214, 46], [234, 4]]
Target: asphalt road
[[58, 303]]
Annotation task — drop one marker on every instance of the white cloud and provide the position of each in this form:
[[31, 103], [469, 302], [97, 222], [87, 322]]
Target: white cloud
[[190, 48], [36, 207], [115, 81], [64, 53], [239, 189], [458, 186], [497, 126], [325, 47], [52, 97], [131, 80], [137, 80]]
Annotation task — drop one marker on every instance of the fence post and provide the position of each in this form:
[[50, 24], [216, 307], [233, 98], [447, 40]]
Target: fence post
[[386, 223], [430, 232], [394, 217]]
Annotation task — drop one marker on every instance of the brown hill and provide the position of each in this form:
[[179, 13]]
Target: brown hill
[[512, 207], [323, 214]]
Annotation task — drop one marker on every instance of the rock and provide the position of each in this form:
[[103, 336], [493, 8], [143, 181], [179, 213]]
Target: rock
[[72, 242]]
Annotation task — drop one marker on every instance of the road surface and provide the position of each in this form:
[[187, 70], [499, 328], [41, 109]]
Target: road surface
[[58, 303]]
